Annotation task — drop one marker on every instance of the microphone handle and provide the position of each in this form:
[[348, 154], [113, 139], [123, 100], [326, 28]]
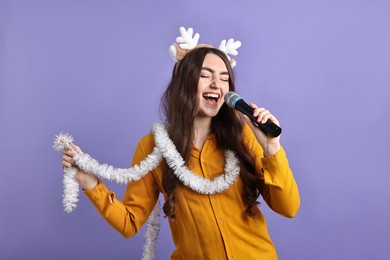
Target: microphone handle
[[269, 128]]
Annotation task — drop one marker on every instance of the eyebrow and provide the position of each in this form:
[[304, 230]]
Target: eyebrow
[[213, 71]]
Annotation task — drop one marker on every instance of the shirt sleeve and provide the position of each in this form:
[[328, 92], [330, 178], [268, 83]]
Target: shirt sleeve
[[128, 216], [280, 191]]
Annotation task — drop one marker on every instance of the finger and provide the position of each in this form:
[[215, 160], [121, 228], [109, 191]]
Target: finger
[[264, 116], [67, 158], [68, 153], [270, 117], [258, 111], [76, 148], [66, 165]]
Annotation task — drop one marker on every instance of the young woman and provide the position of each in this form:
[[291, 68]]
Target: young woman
[[226, 225]]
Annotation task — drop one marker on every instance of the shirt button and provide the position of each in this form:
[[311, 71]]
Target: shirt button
[[220, 221], [202, 159], [213, 201], [228, 239]]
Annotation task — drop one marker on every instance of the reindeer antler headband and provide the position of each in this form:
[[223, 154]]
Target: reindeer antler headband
[[186, 42]]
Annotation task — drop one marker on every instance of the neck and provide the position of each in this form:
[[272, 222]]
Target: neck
[[201, 131]]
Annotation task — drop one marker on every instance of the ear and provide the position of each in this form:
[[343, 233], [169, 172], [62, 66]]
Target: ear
[[176, 52], [233, 62]]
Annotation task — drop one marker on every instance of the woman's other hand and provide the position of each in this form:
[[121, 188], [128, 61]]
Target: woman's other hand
[[87, 181]]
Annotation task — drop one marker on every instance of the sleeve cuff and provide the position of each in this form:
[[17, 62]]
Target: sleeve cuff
[[98, 192], [275, 160], [276, 169]]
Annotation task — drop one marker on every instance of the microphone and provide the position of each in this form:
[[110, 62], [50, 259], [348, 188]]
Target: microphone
[[269, 128]]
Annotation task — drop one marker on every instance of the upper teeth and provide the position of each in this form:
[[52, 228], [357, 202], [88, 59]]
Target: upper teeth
[[210, 95]]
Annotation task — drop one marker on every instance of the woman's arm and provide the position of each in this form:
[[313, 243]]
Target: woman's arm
[[280, 190], [126, 216]]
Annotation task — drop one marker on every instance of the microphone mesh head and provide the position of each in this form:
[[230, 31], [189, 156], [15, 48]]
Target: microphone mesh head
[[231, 98]]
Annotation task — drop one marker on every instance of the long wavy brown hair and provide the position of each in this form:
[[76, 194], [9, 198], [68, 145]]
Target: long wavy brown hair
[[180, 106]]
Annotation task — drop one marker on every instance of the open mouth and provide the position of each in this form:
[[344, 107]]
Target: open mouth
[[211, 97]]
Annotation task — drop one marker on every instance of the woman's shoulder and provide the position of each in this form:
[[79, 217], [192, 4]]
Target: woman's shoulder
[[144, 148], [147, 142], [249, 138], [247, 131]]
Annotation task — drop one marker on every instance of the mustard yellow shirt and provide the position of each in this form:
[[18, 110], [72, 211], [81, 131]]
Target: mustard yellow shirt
[[206, 226]]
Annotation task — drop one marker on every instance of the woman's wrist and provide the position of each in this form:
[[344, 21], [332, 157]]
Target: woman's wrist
[[90, 183], [87, 181], [271, 149]]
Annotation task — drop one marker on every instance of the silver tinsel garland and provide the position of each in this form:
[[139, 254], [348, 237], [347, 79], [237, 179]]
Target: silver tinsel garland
[[164, 149]]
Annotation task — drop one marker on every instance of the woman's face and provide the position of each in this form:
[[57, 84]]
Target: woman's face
[[212, 86]]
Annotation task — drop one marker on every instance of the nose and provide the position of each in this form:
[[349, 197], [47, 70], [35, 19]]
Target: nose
[[215, 82]]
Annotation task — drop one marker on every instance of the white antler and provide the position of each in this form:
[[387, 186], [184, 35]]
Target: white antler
[[186, 41], [229, 47]]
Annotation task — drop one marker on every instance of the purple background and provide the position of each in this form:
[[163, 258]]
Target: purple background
[[97, 69]]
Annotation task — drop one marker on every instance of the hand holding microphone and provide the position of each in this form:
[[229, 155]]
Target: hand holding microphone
[[269, 128]]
